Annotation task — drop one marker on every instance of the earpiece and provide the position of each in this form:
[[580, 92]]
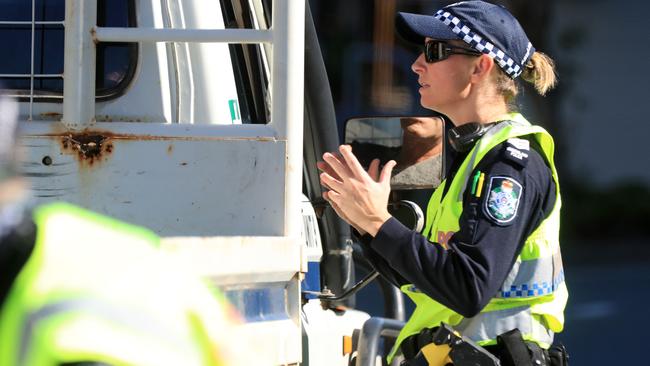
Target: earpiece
[[462, 138]]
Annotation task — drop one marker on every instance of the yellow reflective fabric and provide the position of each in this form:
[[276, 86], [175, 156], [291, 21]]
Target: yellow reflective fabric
[[537, 315], [96, 289]]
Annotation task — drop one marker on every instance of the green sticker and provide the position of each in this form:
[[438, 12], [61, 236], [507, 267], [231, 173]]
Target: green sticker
[[503, 199], [233, 105]]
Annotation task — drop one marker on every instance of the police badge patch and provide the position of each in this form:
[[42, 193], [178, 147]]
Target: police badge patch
[[502, 200]]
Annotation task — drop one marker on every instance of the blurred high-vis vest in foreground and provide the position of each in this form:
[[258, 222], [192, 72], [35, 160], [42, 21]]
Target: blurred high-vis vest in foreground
[[99, 290]]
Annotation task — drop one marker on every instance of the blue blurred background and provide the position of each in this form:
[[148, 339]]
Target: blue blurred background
[[597, 115]]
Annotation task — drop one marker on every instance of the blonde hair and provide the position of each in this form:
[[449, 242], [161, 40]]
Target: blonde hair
[[539, 71]]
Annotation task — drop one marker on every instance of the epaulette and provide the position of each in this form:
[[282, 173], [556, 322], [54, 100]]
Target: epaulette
[[516, 150]]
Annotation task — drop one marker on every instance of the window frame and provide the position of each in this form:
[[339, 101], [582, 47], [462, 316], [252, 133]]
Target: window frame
[[101, 95], [251, 79]]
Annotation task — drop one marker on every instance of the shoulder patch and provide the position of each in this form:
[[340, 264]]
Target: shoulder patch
[[521, 144], [502, 200], [517, 150]]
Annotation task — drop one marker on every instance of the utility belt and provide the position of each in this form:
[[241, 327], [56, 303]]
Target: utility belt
[[440, 346]]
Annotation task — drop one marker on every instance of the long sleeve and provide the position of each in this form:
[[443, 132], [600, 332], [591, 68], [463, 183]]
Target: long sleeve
[[379, 263], [479, 256]]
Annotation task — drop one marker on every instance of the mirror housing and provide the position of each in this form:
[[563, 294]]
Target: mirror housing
[[408, 213]]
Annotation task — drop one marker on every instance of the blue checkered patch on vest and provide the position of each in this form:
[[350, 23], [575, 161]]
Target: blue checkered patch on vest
[[508, 64], [533, 289]]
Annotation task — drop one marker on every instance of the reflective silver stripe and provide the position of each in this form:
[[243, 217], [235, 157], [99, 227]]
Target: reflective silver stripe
[[121, 316], [488, 325], [531, 278]]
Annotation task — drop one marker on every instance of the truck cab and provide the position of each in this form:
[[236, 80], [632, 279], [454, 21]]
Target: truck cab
[[203, 121]]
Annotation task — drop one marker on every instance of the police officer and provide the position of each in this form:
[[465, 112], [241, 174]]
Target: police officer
[[80, 288], [488, 261]]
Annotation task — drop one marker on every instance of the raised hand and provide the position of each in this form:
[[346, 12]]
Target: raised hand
[[359, 197]]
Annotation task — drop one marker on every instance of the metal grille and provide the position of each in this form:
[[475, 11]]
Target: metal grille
[[32, 75]]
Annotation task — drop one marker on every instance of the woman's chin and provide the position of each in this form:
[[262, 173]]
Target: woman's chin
[[428, 104]]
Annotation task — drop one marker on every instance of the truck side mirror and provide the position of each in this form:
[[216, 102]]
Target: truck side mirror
[[408, 213], [415, 143]]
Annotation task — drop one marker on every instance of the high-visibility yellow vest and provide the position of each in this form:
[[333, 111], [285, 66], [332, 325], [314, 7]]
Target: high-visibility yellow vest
[[533, 296], [96, 289]]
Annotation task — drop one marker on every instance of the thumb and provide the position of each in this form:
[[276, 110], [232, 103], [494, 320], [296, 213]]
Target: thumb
[[387, 171]]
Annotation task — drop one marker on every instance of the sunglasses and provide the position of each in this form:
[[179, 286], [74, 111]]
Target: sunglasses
[[435, 51]]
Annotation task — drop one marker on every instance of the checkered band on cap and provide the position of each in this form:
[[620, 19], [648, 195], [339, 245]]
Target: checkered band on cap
[[507, 63]]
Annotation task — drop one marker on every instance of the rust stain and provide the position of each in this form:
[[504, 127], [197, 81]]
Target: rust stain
[[52, 114], [89, 147], [59, 130], [93, 35], [102, 118]]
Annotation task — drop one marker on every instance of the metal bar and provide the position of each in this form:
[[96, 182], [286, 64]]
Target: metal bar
[[371, 332], [44, 96], [393, 297], [107, 34], [79, 66], [40, 22], [354, 289], [287, 94], [29, 75]]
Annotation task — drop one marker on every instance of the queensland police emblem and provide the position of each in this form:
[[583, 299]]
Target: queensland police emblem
[[503, 199]]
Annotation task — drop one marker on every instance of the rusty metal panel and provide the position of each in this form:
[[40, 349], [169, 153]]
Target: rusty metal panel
[[188, 186]]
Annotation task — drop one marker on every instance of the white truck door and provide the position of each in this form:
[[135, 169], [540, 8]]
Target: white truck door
[[167, 147]]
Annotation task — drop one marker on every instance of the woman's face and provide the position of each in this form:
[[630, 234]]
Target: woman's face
[[444, 83]]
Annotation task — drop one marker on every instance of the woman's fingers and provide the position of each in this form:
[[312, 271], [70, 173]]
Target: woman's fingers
[[357, 196], [352, 162], [387, 171], [331, 182], [335, 200], [337, 209], [326, 196], [340, 170], [326, 168]]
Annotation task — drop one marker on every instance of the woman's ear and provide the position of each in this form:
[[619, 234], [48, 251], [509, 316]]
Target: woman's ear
[[483, 65]]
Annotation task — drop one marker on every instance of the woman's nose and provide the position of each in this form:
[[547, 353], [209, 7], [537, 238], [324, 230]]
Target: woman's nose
[[418, 64]]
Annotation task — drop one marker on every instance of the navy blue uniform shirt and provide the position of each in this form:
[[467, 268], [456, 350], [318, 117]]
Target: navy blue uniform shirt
[[480, 255]]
